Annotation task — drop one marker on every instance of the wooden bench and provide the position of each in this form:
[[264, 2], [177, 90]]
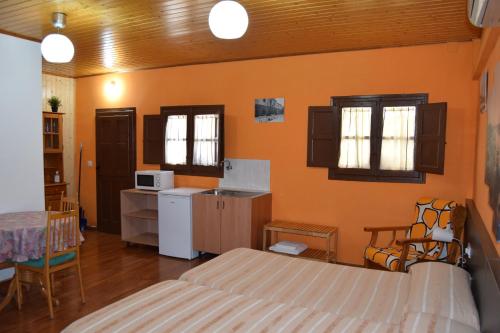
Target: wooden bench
[[328, 233]]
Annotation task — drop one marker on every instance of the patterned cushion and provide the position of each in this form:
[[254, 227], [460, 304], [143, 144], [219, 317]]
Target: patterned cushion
[[389, 257], [430, 214]]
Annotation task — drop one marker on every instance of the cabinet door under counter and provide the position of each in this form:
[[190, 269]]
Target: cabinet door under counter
[[206, 223], [225, 222], [235, 223]]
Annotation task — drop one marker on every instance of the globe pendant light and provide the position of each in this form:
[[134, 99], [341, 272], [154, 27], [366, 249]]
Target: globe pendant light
[[228, 20], [56, 47]]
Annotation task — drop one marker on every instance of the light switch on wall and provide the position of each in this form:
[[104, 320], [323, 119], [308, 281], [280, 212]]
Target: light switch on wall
[[90, 164]]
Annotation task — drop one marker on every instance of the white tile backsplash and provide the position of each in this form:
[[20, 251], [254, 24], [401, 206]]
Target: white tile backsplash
[[252, 175]]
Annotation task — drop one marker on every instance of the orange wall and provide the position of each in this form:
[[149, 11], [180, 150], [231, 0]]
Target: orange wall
[[481, 190], [301, 193]]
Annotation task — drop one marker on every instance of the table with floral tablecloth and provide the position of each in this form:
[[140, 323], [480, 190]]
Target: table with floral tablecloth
[[22, 236]]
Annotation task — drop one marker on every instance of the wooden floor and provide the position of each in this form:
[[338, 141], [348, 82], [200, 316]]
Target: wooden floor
[[111, 271]]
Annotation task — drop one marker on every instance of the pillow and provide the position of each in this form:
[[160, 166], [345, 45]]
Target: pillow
[[443, 290], [425, 322]]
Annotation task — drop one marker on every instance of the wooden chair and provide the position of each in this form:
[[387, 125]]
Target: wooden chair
[[418, 245], [12, 287], [62, 252], [68, 204]]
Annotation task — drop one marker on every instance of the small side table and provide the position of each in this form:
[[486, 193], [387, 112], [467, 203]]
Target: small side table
[[329, 254]]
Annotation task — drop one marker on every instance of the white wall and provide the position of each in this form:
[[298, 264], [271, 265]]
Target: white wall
[[21, 151]]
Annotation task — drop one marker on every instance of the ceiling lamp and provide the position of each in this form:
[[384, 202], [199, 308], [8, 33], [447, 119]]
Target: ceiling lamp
[[57, 48], [228, 20]]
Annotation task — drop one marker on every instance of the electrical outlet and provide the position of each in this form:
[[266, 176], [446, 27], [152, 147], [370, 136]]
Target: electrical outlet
[[90, 164]]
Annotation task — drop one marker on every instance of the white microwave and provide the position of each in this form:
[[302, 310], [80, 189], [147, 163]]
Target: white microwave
[[154, 180]]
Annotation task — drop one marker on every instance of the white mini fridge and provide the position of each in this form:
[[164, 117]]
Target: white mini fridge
[[175, 227]]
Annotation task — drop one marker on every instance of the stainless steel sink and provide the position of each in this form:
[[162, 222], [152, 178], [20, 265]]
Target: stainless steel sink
[[231, 193]]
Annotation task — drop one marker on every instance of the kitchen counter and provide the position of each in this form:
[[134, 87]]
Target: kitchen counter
[[232, 192]]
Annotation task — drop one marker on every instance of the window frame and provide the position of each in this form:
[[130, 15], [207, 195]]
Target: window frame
[[191, 111], [374, 174]]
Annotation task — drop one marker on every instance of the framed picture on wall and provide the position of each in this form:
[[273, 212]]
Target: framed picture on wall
[[270, 110], [483, 92], [492, 165]]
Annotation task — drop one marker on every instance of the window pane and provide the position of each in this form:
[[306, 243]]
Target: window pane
[[175, 140], [398, 138], [206, 140], [355, 138]]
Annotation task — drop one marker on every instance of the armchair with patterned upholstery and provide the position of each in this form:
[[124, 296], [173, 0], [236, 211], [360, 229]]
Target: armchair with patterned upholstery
[[418, 245]]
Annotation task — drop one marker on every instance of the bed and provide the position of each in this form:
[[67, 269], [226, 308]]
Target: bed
[[246, 290]]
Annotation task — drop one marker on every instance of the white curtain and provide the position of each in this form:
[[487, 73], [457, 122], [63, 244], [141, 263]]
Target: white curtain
[[355, 138], [175, 140], [206, 140], [398, 138]]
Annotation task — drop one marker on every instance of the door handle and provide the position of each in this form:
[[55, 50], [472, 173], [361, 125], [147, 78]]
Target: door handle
[[223, 204]]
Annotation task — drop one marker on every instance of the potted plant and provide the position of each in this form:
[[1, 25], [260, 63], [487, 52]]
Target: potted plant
[[55, 103]]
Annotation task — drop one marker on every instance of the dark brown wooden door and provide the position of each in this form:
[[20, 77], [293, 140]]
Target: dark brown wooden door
[[115, 163]]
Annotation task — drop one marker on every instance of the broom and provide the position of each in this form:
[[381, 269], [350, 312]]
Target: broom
[[83, 219]]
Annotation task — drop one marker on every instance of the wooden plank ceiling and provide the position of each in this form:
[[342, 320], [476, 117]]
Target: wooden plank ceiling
[[114, 35]]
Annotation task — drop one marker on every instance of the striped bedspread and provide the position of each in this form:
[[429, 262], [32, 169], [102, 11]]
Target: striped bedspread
[[177, 306], [338, 289], [252, 291]]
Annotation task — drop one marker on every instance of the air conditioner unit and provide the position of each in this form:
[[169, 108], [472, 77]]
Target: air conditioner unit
[[484, 13]]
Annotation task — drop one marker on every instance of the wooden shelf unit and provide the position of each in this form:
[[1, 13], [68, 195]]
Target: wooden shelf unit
[[52, 132], [329, 233], [139, 216], [53, 158]]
